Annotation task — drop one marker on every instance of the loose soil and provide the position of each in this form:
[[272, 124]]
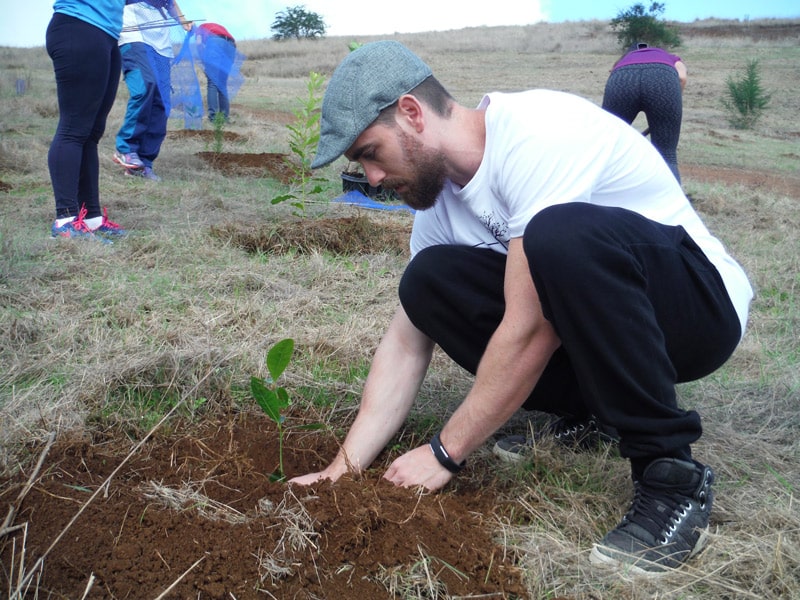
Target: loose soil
[[271, 164], [781, 183], [197, 509]]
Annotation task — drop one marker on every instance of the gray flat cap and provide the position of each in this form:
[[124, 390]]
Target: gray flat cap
[[368, 80]]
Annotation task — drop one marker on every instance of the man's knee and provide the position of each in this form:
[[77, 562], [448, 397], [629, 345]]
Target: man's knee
[[557, 231], [418, 278], [446, 274]]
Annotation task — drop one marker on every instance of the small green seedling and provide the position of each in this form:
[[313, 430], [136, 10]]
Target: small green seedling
[[274, 399], [304, 135], [219, 131]]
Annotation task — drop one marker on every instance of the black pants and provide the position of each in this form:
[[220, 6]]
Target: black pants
[[86, 62], [637, 306], [655, 90]]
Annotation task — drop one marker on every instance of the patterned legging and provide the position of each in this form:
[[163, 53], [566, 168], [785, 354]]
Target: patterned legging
[[654, 89]]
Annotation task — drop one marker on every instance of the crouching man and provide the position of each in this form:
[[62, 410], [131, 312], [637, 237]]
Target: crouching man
[[555, 256]]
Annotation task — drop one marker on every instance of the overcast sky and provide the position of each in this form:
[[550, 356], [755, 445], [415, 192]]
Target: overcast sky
[[24, 23]]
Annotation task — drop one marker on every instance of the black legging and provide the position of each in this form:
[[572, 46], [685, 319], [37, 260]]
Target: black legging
[[87, 67], [654, 89], [637, 305]]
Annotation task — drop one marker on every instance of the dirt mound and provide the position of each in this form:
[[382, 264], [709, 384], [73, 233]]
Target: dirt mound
[[197, 509], [273, 164]]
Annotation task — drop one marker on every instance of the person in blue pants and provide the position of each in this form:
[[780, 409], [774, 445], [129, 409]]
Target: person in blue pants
[[81, 41], [146, 48], [217, 51]]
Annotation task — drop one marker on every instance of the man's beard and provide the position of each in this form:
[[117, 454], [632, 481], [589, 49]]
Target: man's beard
[[427, 169]]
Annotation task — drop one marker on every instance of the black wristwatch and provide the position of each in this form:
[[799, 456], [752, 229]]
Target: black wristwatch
[[443, 457]]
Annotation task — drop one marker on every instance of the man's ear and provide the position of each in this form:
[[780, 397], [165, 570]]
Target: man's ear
[[410, 111]]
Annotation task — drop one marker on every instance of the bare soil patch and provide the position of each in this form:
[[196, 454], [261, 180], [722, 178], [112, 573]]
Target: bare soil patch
[[203, 497], [250, 163], [781, 183]]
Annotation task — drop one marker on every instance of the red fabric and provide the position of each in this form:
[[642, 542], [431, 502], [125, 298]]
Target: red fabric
[[216, 29]]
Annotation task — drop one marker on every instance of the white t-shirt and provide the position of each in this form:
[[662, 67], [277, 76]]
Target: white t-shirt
[[144, 23], [544, 148]]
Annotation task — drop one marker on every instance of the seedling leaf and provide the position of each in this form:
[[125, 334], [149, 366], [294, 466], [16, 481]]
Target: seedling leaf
[[267, 399], [278, 357]]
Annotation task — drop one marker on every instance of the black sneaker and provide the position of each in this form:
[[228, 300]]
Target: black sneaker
[[667, 522], [583, 434], [577, 434]]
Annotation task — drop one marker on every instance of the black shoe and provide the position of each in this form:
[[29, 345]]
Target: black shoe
[[577, 434], [583, 434], [667, 522]]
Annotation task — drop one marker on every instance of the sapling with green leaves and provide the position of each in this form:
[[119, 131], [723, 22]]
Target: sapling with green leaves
[[303, 140], [219, 131], [746, 98], [274, 399]]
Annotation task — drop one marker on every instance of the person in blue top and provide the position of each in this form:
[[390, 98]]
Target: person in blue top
[[81, 40], [650, 80]]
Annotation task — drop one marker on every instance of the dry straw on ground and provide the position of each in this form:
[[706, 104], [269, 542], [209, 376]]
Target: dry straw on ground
[[159, 335]]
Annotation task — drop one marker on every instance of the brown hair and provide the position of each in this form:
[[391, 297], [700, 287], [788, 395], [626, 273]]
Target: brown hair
[[430, 92]]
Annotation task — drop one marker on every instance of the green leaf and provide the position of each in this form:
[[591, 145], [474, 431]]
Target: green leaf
[[266, 398], [283, 396], [279, 356]]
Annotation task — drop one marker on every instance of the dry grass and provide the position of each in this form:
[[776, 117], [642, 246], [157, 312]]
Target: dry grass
[[185, 308]]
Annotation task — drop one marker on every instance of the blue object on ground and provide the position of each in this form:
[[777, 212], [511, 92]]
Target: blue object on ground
[[356, 198]]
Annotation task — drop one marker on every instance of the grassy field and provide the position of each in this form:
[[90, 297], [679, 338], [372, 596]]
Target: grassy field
[[178, 316]]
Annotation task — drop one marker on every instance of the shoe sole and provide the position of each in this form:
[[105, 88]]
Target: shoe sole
[[122, 163], [94, 238], [601, 559], [139, 173], [510, 456]]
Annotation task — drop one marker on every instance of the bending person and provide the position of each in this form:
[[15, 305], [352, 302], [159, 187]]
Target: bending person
[[650, 80], [217, 52]]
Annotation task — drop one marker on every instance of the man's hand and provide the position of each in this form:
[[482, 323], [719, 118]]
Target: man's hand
[[332, 472], [311, 478], [418, 467]]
